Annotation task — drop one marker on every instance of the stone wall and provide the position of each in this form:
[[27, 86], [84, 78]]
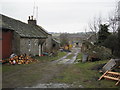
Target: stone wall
[[16, 43], [55, 46], [29, 46], [47, 46]]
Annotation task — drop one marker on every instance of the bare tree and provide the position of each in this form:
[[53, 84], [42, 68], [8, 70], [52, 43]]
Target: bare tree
[[64, 39], [86, 34], [113, 22], [113, 19], [95, 25]]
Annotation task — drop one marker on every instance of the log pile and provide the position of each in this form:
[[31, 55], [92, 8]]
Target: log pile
[[21, 60]]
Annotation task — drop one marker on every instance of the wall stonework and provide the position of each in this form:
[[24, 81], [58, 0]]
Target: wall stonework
[[29, 46], [47, 46], [16, 43], [55, 46]]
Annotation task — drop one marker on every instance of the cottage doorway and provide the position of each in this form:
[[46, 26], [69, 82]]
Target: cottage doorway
[[41, 42], [40, 50]]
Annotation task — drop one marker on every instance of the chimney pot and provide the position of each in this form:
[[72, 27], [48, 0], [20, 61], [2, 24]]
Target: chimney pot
[[29, 17], [31, 21]]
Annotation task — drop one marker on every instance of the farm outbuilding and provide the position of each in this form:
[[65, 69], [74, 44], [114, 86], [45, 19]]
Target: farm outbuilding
[[7, 36], [20, 37]]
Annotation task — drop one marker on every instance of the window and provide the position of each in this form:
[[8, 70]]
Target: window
[[35, 42], [29, 45]]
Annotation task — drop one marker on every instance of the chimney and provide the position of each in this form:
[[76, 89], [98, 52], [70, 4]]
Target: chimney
[[32, 21]]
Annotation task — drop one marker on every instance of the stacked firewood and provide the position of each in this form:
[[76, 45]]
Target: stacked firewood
[[21, 60]]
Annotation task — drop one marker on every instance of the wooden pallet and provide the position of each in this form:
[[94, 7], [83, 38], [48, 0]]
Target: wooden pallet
[[111, 75]]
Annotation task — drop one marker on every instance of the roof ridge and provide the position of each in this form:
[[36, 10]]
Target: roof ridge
[[22, 28]]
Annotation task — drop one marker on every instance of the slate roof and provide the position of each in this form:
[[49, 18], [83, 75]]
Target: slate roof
[[23, 29], [44, 31], [56, 40]]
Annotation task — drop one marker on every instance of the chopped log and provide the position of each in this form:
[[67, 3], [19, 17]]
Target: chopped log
[[22, 59]]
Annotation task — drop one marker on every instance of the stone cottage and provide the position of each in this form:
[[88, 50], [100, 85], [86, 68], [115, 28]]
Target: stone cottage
[[50, 44], [47, 45], [55, 45], [20, 37]]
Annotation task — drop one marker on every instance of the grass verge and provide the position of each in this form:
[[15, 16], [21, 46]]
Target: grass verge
[[81, 74], [26, 74], [70, 56], [47, 58], [14, 68], [79, 57]]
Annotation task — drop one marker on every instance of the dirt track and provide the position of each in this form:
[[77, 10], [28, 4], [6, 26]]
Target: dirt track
[[47, 71], [55, 68], [63, 60]]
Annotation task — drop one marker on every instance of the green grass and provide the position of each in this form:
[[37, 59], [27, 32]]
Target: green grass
[[48, 58], [26, 74], [0, 67], [79, 56], [70, 56], [13, 68], [81, 74], [21, 76]]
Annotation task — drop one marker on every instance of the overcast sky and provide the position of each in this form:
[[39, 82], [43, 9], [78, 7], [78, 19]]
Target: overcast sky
[[59, 15]]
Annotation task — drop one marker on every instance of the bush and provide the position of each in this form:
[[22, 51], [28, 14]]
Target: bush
[[111, 42], [100, 52], [95, 51]]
